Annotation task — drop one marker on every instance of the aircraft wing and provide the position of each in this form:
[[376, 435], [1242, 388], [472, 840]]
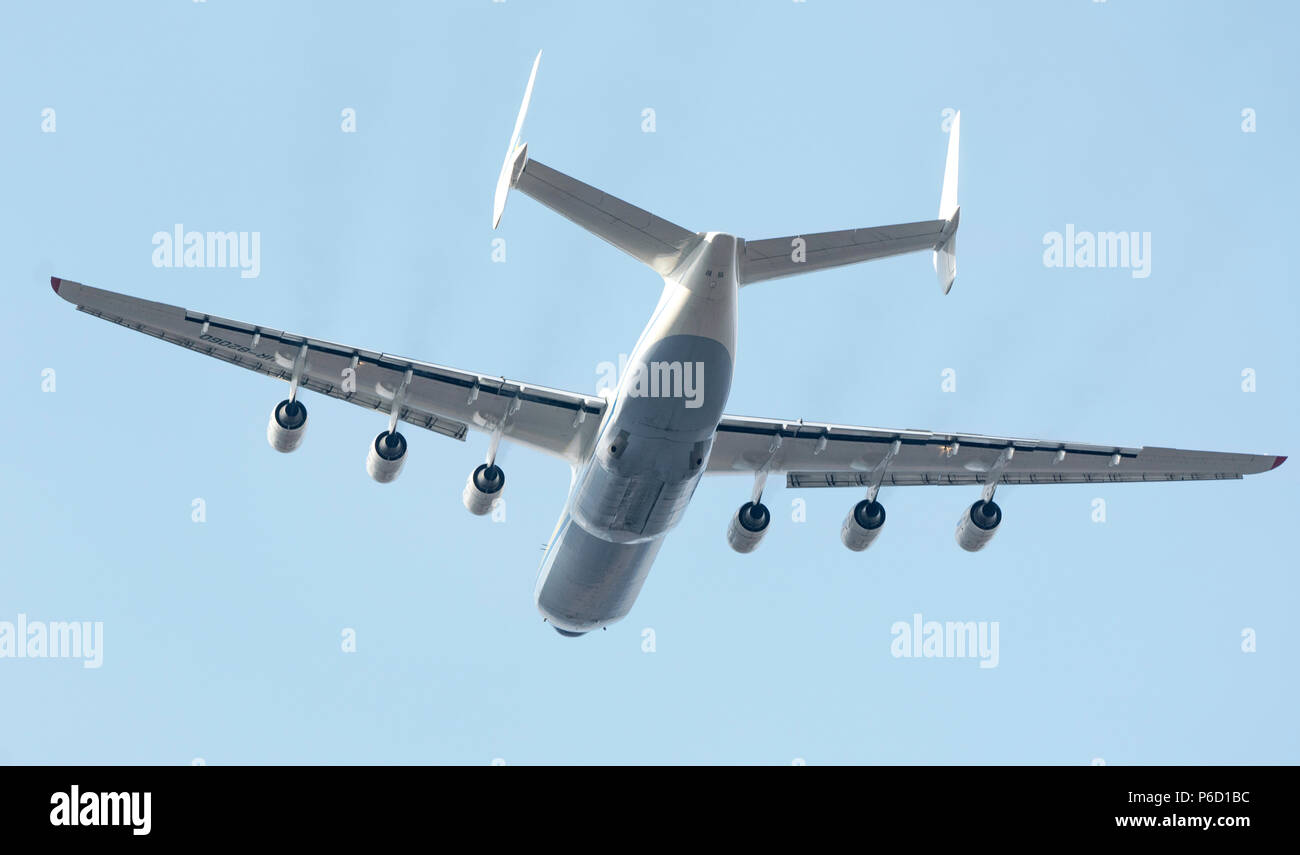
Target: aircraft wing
[[444, 400], [827, 455]]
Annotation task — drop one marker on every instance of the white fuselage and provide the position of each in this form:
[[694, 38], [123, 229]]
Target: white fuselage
[[652, 447]]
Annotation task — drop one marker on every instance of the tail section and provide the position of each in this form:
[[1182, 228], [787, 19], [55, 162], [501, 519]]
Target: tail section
[[662, 245], [649, 239]]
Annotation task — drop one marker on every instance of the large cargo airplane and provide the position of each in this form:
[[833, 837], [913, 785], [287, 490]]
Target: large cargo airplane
[[637, 455]]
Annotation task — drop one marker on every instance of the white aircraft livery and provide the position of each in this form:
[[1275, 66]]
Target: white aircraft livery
[[638, 454]]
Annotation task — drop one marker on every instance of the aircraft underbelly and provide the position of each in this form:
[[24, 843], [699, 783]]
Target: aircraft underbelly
[[649, 458], [628, 508], [613, 528]]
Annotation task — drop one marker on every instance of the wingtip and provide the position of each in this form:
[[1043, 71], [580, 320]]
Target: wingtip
[[55, 282], [1278, 462]]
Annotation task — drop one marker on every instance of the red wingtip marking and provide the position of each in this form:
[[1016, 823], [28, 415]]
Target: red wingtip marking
[[1278, 462], [55, 282]]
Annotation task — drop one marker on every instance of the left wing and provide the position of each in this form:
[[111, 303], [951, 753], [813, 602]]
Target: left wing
[[825, 455], [444, 400]]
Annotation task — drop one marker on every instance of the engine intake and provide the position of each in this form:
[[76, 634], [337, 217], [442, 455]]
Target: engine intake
[[483, 488], [863, 524], [287, 426], [387, 454], [748, 526], [978, 525]]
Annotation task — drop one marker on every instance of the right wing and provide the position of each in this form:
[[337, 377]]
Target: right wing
[[813, 454], [441, 399]]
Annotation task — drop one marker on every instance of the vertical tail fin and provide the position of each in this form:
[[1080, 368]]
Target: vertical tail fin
[[945, 255], [516, 154]]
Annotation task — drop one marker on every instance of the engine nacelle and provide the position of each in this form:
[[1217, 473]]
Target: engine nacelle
[[978, 525], [387, 454], [287, 426], [748, 526], [863, 524], [483, 488]]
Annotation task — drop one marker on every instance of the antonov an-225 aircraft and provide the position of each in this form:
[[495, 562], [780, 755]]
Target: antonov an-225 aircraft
[[638, 455]]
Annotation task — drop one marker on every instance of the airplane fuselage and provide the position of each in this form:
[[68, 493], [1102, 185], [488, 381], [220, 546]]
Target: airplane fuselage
[[652, 448]]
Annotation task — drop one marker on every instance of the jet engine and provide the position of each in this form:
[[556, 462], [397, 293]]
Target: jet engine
[[387, 454], [978, 525], [748, 526], [863, 524], [287, 426], [483, 488]]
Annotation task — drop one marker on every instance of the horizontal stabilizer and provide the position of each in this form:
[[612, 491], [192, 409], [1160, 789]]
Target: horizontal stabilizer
[[647, 238], [773, 258]]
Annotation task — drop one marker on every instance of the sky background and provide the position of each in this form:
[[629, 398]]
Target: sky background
[[1119, 641]]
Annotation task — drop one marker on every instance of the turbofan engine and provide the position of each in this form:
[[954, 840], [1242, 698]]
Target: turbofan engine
[[978, 525], [287, 426], [483, 488], [863, 524], [387, 454], [748, 526]]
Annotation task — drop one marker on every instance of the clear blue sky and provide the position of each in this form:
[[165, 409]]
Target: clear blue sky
[[1118, 640]]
